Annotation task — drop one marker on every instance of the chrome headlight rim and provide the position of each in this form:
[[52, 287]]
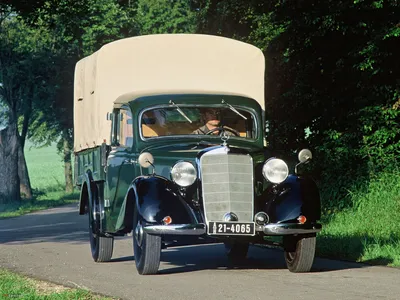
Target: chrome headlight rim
[[277, 165], [183, 173]]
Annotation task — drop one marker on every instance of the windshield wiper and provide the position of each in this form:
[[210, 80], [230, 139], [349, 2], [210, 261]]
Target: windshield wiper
[[180, 111], [203, 143], [233, 109]]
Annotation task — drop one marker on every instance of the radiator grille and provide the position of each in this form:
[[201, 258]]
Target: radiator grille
[[227, 184]]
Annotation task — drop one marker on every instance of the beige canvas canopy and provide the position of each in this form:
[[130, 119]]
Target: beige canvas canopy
[[160, 64]]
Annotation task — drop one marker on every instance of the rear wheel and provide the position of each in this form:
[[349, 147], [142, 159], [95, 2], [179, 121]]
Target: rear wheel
[[236, 250], [100, 246], [146, 247], [299, 252]]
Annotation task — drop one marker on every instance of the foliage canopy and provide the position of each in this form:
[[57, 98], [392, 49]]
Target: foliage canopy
[[332, 83]]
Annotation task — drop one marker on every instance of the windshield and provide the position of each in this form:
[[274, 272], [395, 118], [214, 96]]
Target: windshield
[[194, 120]]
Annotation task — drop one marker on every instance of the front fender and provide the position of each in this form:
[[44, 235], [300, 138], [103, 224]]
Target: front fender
[[294, 197], [156, 197]]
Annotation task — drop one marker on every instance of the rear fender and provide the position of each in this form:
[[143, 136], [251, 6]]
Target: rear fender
[[85, 199], [90, 190]]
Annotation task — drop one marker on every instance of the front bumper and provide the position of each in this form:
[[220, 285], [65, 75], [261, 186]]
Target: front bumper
[[291, 228], [177, 229], [200, 229]]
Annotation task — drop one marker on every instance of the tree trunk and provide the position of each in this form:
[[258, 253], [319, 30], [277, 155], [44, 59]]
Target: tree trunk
[[9, 180], [24, 181], [67, 147]]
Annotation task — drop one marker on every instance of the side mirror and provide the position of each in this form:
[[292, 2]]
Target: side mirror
[[109, 116], [146, 160], [304, 155]]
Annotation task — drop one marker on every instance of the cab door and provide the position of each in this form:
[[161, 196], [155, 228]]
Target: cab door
[[121, 165]]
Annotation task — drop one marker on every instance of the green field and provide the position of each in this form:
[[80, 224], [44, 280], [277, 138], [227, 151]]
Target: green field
[[46, 172], [45, 168]]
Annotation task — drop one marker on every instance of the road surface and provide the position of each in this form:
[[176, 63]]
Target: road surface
[[53, 245]]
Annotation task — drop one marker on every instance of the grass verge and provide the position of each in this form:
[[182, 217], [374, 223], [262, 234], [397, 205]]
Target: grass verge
[[368, 232], [44, 201], [13, 286], [46, 174]]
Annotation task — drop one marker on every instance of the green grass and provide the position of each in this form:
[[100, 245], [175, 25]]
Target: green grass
[[13, 286], [45, 167], [46, 172], [43, 201], [370, 231]]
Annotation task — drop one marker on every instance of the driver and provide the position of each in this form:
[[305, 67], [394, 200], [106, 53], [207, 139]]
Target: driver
[[212, 118]]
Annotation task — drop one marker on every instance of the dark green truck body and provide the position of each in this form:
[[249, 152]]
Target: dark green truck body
[[148, 160]]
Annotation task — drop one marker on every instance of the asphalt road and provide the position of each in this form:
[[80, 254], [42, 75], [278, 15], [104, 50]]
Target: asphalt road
[[53, 245]]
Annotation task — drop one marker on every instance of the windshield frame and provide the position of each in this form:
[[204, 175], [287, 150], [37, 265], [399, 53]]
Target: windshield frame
[[251, 111]]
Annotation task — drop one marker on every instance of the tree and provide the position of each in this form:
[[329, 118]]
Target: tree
[[332, 78], [339, 61], [9, 181], [165, 16], [77, 29], [22, 50]]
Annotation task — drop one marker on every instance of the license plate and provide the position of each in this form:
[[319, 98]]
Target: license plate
[[231, 228]]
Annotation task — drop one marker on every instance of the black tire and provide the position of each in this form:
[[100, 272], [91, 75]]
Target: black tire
[[236, 250], [100, 246], [146, 247], [299, 252]]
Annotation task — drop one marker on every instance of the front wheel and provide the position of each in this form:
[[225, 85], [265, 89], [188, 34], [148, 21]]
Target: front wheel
[[100, 246], [299, 252], [146, 247]]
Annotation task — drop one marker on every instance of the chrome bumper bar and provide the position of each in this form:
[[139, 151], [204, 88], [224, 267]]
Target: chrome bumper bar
[[200, 229], [287, 229], [177, 229]]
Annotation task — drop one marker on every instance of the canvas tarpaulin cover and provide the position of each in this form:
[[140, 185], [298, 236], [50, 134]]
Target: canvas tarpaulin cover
[[160, 64]]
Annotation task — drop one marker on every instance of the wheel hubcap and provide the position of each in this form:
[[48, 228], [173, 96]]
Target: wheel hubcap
[[139, 234], [94, 219], [94, 212]]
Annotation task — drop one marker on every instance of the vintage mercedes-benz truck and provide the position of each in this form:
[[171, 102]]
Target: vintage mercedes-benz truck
[[169, 143]]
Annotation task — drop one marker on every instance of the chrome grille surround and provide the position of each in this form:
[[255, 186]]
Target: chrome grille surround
[[227, 185]]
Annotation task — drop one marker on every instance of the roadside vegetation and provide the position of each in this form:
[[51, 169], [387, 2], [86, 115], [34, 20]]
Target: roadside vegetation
[[332, 85], [47, 178], [369, 230], [13, 286]]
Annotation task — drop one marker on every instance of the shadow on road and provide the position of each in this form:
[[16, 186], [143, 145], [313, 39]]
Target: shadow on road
[[122, 259], [62, 225], [212, 257]]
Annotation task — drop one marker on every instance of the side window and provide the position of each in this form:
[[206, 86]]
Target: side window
[[125, 128]]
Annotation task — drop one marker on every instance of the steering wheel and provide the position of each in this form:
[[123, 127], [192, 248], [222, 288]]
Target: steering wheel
[[222, 129]]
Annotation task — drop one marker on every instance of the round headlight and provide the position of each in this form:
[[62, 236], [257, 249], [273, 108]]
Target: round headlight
[[275, 170], [183, 173]]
